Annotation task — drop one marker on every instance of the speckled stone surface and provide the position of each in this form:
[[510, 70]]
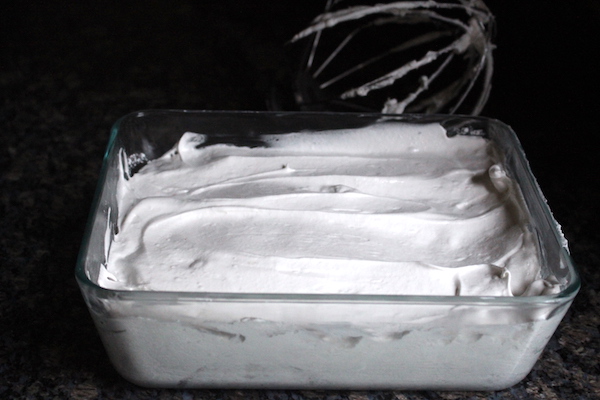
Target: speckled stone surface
[[69, 70]]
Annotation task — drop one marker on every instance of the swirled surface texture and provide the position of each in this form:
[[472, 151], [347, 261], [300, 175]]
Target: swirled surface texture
[[393, 208]]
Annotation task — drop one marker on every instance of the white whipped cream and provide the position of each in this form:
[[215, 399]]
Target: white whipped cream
[[387, 209]]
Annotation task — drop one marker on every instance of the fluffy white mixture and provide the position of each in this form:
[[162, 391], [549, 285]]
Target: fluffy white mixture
[[387, 209]]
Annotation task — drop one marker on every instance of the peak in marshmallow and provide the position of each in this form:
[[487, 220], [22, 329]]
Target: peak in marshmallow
[[390, 209]]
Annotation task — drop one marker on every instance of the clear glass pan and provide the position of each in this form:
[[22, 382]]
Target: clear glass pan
[[344, 341]]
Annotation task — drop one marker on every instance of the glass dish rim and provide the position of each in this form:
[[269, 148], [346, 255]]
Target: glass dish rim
[[567, 294]]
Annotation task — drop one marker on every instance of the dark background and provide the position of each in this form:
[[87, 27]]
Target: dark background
[[69, 69]]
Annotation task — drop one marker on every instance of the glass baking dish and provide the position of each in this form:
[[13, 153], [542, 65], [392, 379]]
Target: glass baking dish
[[324, 341]]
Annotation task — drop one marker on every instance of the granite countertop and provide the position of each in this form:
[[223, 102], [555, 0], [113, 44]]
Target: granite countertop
[[69, 70]]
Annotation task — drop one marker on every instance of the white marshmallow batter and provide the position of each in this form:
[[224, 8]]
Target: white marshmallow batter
[[387, 209]]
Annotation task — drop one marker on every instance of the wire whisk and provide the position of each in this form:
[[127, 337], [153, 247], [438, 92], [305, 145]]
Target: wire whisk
[[398, 57]]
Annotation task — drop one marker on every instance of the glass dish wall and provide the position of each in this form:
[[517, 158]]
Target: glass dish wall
[[233, 340]]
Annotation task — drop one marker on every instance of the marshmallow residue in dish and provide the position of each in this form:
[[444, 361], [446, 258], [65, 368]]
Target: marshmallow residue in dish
[[394, 209]]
